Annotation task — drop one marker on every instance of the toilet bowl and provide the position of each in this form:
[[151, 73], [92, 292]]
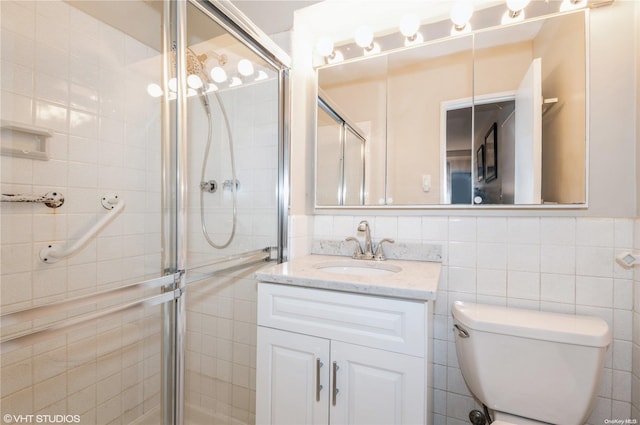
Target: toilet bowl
[[530, 367]]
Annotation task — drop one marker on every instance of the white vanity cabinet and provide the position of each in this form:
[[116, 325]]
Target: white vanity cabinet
[[330, 357]]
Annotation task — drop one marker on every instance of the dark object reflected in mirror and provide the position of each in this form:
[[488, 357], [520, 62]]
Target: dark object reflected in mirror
[[491, 146], [480, 163]]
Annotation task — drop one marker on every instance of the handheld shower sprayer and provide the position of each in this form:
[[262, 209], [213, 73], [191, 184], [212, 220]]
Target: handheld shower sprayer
[[204, 98]]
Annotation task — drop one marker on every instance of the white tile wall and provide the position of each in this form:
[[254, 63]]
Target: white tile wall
[[66, 71], [563, 264], [221, 344], [253, 121], [634, 302]]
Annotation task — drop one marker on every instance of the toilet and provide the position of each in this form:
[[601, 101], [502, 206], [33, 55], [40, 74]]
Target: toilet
[[530, 367]]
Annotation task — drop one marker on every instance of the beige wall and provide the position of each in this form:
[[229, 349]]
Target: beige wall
[[500, 69], [612, 100], [637, 37], [413, 115], [561, 45]]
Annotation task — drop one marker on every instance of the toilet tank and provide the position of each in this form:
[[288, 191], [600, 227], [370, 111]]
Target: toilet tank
[[538, 365]]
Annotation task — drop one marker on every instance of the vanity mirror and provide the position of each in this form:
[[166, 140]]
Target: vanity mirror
[[496, 117]]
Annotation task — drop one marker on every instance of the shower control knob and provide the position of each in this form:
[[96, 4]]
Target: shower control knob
[[211, 186]]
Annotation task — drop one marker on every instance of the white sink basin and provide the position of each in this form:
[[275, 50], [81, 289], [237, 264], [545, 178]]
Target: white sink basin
[[358, 267]]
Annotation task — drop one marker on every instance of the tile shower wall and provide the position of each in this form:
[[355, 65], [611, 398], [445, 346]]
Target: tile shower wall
[[555, 264], [221, 311], [253, 118], [221, 350], [66, 71]]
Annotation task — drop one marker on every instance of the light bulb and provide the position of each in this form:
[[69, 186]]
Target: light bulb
[[455, 30], [191, 92], [461, 12], [568, 5], [364, 37], [245, 67], [324, 47], [416, 39], [211, 87], [261, 76], [218, 75], [409, 25], [154, 90], [509, 17], [194, 82], [173, 84], [335, 57], [373, 49], [235, 81], [517, 5]]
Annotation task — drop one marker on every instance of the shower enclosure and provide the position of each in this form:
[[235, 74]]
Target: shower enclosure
[[143, 183]]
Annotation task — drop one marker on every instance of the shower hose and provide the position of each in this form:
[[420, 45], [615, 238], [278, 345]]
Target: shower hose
[[205, 102]]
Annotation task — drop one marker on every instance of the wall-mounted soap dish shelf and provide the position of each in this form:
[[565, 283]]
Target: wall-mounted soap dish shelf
[[628, 259], [24, 140]]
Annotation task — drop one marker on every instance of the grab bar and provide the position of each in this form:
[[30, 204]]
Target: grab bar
[[54, 253], [263, 255], [30, 337], [45, 330], [95, 298], [50, 199]]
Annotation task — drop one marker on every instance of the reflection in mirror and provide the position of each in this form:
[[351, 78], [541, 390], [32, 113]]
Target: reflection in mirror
[[492, 118], [358, 91], [458, 172], [329, 158], [530, 87], [341, 154], [353, 181], [419, 81]]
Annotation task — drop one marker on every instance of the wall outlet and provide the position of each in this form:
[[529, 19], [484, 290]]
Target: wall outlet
[[426, 182]]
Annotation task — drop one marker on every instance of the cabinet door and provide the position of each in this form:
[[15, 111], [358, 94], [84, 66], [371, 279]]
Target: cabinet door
[[291, 385], [376, 387]]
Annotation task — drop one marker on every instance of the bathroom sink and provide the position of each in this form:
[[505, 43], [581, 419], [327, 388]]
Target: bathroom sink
[[358, 267]]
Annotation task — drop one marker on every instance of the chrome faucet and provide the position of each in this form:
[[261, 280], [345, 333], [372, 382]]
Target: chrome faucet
[[379, 255], [357, 253], [368, 253], [368, 246]]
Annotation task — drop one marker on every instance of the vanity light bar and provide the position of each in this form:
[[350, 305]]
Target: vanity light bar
[[409, 35]]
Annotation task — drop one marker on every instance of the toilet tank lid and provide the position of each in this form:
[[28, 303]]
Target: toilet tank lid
[[555, 327]]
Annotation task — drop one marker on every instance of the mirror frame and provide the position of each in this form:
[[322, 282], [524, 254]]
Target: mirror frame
[[585, 205]]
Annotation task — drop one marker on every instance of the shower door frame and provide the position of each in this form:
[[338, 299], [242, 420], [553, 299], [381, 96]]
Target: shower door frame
[[174, 180]]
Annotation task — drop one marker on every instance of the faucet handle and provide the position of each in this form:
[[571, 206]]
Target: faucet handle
[[357, 253], [379, 255]]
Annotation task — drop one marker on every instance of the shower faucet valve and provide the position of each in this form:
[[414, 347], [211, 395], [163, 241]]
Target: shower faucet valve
[[211, 186], [228, 185]]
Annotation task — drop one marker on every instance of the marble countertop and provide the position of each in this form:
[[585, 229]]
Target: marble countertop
[[418, 280]]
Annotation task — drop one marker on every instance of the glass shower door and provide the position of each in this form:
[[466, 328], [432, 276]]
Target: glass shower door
[[86, 266], [138, 201], [234, 154]]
